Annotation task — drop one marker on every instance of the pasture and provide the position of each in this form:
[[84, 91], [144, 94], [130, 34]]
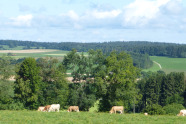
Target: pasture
[[168, 64], [64, 117]]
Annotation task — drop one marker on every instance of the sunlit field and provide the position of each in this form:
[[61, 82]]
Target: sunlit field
[[35, 53], [33, 117], [168, 64]]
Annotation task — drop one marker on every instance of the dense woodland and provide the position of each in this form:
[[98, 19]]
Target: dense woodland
[[140, 47], [111, 79]]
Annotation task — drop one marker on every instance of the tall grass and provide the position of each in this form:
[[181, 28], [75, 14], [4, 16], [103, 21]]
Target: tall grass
[[34, 117]]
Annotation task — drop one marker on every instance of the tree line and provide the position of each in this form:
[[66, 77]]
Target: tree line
[[140, 47], [110, 79]]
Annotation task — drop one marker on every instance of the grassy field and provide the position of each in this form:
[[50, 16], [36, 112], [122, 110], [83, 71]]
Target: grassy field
[[36, 53], [168, 64], [34, 117]]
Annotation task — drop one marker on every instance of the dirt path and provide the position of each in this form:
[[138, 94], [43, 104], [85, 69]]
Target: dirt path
[[158, 64]]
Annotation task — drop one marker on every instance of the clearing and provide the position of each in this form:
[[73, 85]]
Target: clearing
[[167, 64]]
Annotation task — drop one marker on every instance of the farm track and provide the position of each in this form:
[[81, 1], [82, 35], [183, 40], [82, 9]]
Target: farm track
[[158, 64]]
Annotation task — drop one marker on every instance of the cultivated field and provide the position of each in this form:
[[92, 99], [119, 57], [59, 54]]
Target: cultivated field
[[63, 117], [36, 53], [168, 64]]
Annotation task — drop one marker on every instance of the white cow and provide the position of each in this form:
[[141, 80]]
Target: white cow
[[145, 114], [54, 107], [182, 112]]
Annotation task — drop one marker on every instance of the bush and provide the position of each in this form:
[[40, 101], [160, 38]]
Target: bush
[[12, 106], [173, 109], [155, 109]]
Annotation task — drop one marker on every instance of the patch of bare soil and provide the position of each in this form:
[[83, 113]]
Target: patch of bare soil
[[27, 51]]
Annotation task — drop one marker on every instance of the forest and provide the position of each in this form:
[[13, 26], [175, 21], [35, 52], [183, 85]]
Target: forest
[[111, 79], [140, 47]]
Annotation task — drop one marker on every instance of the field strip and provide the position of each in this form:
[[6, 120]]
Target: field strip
[[158, 64], [28, 51], [56, 54]]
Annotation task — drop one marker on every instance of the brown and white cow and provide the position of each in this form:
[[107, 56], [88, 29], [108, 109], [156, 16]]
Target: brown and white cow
[[46, 108], [114, 109], [182, 113], [41, 108], [73, 108]]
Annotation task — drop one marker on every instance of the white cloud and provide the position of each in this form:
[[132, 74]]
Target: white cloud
[[105, 14], [22, 20], [140, 11], [73, 15]]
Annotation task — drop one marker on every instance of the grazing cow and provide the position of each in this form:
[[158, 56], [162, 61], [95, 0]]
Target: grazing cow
[[54, 107], [117, 108], [47, 108], [182, 113], [145, 114], [73, 108], [41, 108]]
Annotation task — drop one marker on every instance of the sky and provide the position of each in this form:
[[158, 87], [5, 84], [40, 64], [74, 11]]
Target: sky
[[93, 20]]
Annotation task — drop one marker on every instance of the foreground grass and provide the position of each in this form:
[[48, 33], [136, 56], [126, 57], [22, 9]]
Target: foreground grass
[[34, 117]]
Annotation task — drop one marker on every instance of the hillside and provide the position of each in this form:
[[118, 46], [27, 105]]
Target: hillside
[[167, 64], [140, 47]]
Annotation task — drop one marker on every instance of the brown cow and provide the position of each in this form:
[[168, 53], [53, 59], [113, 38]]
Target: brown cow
[[47, 108], [117, 108], [73, 108], [41, 108]]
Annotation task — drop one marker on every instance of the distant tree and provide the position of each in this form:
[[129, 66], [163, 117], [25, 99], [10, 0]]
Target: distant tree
[[82, 95], [6, 69], [70, 62], [54, 88]]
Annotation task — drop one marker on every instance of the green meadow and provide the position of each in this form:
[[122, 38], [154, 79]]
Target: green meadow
[[63, 117], [168, 64]]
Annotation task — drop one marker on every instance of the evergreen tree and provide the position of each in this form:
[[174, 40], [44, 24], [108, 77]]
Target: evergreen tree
[[27, 84]]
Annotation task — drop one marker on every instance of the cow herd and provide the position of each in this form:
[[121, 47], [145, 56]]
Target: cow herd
[[114, 109], [56, 107], [49, 108]]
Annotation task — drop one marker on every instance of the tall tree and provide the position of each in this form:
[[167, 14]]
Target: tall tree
[[121, 75], [28, 83]]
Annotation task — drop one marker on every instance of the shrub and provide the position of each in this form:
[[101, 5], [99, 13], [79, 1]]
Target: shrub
[[12, 106], [173, 109], [154, 109]]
